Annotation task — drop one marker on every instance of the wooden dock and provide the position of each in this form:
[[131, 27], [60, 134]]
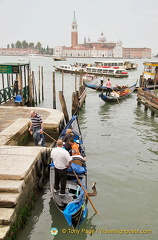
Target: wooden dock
[[149, 100]]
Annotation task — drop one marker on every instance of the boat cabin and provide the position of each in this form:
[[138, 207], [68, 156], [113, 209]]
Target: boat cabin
[[119, 64], [128, 65], [107, 71], [150, 74]]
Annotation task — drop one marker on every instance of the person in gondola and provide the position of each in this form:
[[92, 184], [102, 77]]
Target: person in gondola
[[62, 161], [77, 156], [74, 146], [114, 94], [108, 87], [66, 139]]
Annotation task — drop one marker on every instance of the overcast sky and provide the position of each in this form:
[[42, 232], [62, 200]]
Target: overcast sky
[[134, 22]]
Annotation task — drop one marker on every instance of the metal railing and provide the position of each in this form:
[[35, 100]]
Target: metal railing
[[8, 93]]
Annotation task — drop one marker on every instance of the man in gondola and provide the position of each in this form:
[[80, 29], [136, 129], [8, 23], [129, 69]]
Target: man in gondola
[[62, 161]]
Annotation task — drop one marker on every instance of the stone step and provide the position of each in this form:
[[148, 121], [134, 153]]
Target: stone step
[[8, 200], [3, 231], [6, 215], [11, 186]]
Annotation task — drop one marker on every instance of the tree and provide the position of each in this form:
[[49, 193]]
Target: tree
[[24, 44], [47, 49], [31, 45], [12, 45], [38, 46], [18, 44], [8, 46]]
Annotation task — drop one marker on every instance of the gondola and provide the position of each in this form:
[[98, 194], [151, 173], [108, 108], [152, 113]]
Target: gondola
[[74, 204], [102, 88], [120, 94]]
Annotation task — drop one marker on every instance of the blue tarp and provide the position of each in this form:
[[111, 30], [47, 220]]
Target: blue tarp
[[74, 206], [77, 168]]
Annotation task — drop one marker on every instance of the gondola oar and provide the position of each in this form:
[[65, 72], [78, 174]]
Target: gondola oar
[[85, 191], [50, 136]]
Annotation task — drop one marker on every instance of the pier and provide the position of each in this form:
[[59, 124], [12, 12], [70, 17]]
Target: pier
[[149, 100], [23, 168]]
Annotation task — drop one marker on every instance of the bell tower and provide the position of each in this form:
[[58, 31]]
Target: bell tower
[[74, 32]]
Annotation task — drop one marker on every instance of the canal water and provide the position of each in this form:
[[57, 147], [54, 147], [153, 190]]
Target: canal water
[[121, 142]]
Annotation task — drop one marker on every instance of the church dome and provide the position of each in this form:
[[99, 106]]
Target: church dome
[[102, 38]]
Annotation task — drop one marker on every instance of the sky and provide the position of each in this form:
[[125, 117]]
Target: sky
[[134, 22]]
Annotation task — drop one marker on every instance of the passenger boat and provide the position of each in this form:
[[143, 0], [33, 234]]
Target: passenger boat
[[149, 77], [74, 204], [70, 69], [59, 59], [106, 71], [99, 71], [119, 95], [127, 65]]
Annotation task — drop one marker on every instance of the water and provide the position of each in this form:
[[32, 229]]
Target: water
[[121, 147]]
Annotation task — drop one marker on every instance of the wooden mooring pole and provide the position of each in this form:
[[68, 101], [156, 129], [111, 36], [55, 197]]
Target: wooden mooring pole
[[63, 105], [42, 83], [39, 83], [62, 81], [54, 92], [34, 84]]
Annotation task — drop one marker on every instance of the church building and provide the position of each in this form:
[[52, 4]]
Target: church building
[[100, 48]]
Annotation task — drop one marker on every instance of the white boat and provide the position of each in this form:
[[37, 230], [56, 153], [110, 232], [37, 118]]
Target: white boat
[[109, 72], [92, 70], [127, 65], [21, 59], [35, 55]]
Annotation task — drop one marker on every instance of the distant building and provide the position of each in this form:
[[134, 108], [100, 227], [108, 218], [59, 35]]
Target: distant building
[[101, 48], [18, 51], [136, 52]]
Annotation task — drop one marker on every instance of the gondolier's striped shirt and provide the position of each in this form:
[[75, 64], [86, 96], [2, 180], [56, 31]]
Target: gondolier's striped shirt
[[36, 121]]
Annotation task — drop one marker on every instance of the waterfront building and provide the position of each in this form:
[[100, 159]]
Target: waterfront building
[[17, 51], [137, 52], [100, 48]]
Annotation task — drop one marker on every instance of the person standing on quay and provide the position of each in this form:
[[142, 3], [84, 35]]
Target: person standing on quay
[[108, 87], [62, 161], [36, 129]]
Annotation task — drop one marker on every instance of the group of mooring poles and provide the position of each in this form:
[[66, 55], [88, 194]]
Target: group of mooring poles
[[36, 89], [78, 97]]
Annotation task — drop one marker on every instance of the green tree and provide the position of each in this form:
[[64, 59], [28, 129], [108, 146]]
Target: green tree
[[18, 44], [47, 50], [8, 46], [12, 45], [25, 44], [38, 46], [31, 45]]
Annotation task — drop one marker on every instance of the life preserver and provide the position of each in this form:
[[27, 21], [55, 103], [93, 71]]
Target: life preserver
[[48, 156], [44, 158], [41, 183], [46, 171], [39, 168]]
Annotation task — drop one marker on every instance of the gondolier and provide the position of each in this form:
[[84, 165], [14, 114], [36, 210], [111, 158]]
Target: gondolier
[[101, 81], [62, 160]]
